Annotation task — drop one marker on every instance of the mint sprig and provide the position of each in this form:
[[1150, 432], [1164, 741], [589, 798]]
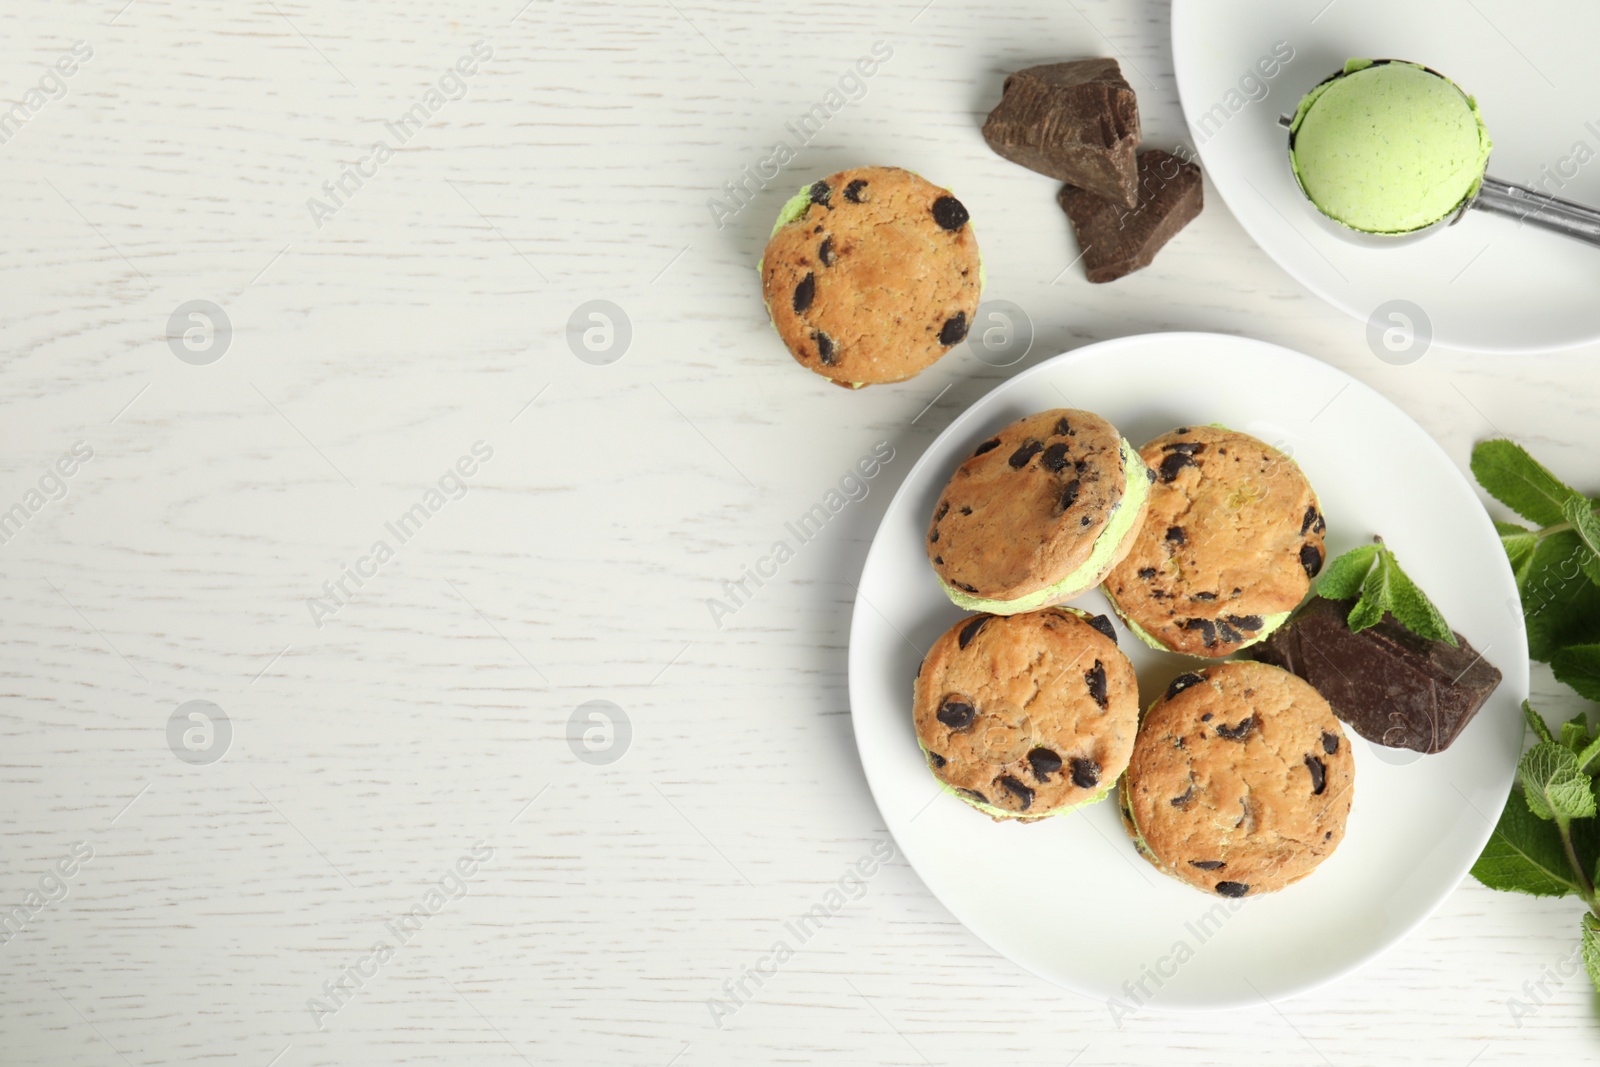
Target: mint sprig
[[1373, 572], [1547, 841]]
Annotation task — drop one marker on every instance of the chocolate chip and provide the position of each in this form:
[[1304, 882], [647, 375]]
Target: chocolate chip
[[1085, 773], [966, 511], [1188, 794], [1173, 463], [987, 446], [1305, 523], [1207, 717], [1232, 889], [1229, 635], [1175, 534], [1319, 775], [820, 193], [949, 213], [804, 292], [1245, 622], [824, 347], [1103, 624], [1205, 596], [1182, 682], [1020, 457], [1018, 790], [944, 509], [936, 759], [852, 192], [825, 252], [1181, 429], [1063, 427], [970, 630], [956, 714], [1208, 630], [1311, 559], [1238, 733], [1055, 457], [1321, 525], [954, 329], [1330, 743], [933, 538], [1188, 448], [1147, 573], [1069, 497], [1096, 678], [939, 560], [974, 794], [1044, 763], [966, 588], [1208, 865], [1086, 520]]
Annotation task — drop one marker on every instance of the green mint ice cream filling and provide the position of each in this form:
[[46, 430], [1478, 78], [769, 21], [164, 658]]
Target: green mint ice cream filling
[[1269, 623], [1088, 573], [1388, 147]]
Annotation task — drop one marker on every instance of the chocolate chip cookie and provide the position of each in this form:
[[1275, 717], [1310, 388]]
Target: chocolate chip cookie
[[1240, 782], [1038, 513], [1232, 542], [871, 275], [1027, 716]]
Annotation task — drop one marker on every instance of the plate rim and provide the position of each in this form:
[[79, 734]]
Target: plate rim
[[855, 674], [1183, 11]]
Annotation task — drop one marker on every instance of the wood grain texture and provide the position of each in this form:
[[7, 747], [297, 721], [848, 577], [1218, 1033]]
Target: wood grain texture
[[369, 754]]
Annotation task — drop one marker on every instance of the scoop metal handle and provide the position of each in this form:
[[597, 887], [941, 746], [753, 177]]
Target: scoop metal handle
[[1548, 212]]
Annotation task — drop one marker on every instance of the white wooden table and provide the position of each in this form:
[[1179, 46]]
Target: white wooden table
[[418, 720]]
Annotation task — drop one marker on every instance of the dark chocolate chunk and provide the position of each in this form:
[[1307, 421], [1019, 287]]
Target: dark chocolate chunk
[[970, 630], [1393, 687], [1103, 624], [974, 794], [1311, 559], [1248, 623], [1085, 773], [1239, 732], [939, 560], [987, 446], [1077, 122], [1171, 464], [1232, 889], [967, 588], [1330, 743], [1175, 534], [1027, 451], [1055, 457], [1208, 865], [1116, 241], [1044, 763], [1207, 628], [1182, 682], [1069, 497], [804, 292], [824, 347], [956, 713], [1095, 677], [820, 193], [944, 509], [966, 510], [852, 192], [1086, 520], [936, 759], [1018, 790], [950, 213], [825, 251], [1227, 633], [1188, 795], [1310, 517], [1147, 573], [953, 330], [1064, 428], [1319, 775], [1207, 717], [1205, 596], [1188, 448], [933, 538]]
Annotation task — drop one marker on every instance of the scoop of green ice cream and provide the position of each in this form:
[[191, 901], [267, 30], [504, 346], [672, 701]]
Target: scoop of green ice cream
[[1388, 147]]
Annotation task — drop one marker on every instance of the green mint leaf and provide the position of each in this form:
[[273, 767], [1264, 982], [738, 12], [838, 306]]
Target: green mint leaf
[[1519, 543], [1411, 606], [1376, 596], [1575, 735], [1342, 578], [1524, 855], [1589, 758], [1579, 667], [1587, 526], [1553, 785], [1591, 947], [1559, 605], [1517, 480], [1536, 723]]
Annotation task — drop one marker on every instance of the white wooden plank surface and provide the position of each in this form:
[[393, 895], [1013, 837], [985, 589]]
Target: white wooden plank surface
[[371, 753]]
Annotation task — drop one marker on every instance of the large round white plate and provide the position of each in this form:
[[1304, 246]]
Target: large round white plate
[[1068, 898], [1485, 284]]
